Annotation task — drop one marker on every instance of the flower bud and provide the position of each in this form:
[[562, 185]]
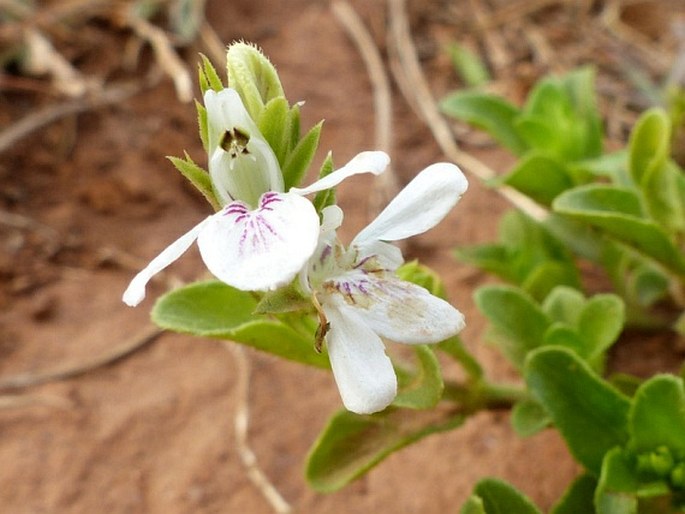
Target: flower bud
[[253, 76]]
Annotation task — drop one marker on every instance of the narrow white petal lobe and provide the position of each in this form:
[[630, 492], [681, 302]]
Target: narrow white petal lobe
[[364, 373], [364, 162], [135, 292], [421, 205]]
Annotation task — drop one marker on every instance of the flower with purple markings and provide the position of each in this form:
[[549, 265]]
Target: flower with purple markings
[[262, 236], [361, 300]]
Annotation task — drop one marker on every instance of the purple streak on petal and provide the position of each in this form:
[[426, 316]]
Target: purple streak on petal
[[326, 253], [267, 199], [257, 231], [363, 261]]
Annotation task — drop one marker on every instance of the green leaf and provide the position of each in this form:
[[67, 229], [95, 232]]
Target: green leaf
[[550, 274], [564, 304], [425, 277], [203, 125], [492, 258], [617, 211], [663, 188], [292, 130], [613, 166], [560, 117], [284, 299], [540, 177], [273, 125], [657, 416], [580, 86], [498, 497], [616, 492], [422, 389], [580, 238], [590, 414], [352, 444], [519, 324], [649, 144], [214, 309], [468, 65], [209, 78], [578, 498], [528, 418], [324, 198], [491, 113], [527, 255], [601, 322], [197, 176], [474, 505], [647, 285], [564, 336], [547, 120], [301, 157]]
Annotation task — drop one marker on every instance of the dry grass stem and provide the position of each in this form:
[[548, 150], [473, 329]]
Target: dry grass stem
[[388, 185], [23, 222], [52, 113], [166, 57], [215, 47], [43, 59], [31, 400], [492, 38], [409, 72], [73, 369], [241, 425], [649, 56]]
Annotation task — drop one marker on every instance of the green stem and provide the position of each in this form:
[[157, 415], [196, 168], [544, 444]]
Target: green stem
[[478, 395]]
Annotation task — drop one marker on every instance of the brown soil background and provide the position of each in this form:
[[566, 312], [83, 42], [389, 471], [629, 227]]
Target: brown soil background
[[154, 432]]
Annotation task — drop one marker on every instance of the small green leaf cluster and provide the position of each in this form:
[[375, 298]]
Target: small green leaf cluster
[[632, 448], [624, 210], [564, 319]]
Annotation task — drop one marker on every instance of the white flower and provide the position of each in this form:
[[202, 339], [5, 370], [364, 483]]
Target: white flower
[[262, 236], [363, 300]]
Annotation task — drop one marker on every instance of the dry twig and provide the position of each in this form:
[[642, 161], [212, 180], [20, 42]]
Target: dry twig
[[43, 59], [241, 422], [52, 113], [29, 400], [72, 369], [414, 86], [167, 58], [356, 30]]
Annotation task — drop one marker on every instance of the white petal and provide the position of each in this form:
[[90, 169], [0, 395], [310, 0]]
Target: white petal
[[397, 310], [331, 218], [243, 177], [135, 292], [364, 162], [261, 249], [364, 373], [247, 176], [388, 256], [421, 205]]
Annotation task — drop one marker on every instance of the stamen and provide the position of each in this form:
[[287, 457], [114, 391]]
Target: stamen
[[234, 141]]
